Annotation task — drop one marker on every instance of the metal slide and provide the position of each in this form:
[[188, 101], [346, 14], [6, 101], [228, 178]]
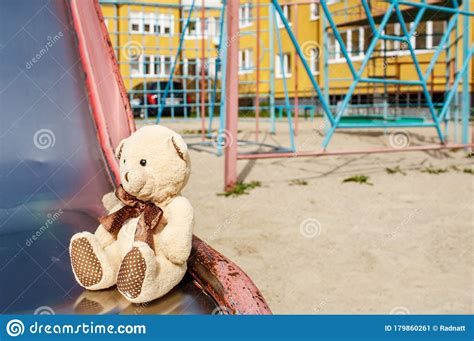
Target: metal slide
[[54, 167]]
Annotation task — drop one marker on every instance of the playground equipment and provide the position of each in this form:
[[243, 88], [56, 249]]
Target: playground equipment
[[65, 109], [394, 72], [335, 118]]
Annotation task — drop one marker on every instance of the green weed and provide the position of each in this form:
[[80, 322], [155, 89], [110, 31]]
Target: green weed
[[241, 188], [360, 179]]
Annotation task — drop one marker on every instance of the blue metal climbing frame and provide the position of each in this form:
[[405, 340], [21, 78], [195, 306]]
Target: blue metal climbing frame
[[378, 34]]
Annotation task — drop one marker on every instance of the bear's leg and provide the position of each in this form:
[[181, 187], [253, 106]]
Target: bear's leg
[[144, 276], [90, 262]]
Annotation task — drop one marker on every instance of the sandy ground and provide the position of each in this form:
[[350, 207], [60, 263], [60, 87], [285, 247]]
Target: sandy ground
[[401, 245]]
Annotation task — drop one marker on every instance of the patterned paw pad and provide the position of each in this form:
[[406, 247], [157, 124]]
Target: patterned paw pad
[[84, 262], [131, 274]]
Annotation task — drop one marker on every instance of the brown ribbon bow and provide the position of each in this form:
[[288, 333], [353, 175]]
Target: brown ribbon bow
[[150, 216]]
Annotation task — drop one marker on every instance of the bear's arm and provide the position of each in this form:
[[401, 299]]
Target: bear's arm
[[105, 237], [176, 238], [110, 201]]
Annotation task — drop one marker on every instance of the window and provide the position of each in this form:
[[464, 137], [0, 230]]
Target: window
[[151, 23], [333, 46], [438, 29], [148, 22], [245, 61], [214, 29], [286, 66], [135, 65], [313, 11], [147, 66], [194, 30], [165, 66], [135, 22], [287, 13], [245, 15], [421, 36], [339, 54], [354, 40], [165, 24], [392, 30], [354, 49], [190, 67], [158, 65], [367, 38], [215, 26], [211, 67], [314, 60], [162, 66], [357, 42], [412, 38], [200, 66], [150, 66]]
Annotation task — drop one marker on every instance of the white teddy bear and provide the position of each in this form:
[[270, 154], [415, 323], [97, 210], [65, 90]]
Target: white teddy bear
[[143, 244]]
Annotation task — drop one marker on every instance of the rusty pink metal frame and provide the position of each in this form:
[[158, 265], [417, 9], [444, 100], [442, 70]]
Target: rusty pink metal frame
[[224, 281], [99, 63], [232, 94], [228, 285], [203, 70]]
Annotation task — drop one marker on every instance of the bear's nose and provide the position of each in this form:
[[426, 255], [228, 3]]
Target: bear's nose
[[126, 176]]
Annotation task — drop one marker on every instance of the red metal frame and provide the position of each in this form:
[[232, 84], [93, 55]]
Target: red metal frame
[[257, 90], [352, 152], [232, 94], [228, 285], [99, 63], [203, 70], [295, 80]]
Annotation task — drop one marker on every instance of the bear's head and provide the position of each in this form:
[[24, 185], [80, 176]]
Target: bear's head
[[154, 163]]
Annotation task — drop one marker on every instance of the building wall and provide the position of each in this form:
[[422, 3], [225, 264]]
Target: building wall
[[309, 31]]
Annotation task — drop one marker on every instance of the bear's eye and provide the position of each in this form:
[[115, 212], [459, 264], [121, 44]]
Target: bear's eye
[[123, 161], [143, 162]]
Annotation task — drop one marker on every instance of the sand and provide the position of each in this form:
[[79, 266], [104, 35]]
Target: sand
[[316, 245]]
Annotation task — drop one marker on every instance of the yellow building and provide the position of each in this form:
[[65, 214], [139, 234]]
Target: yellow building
[[146, 37]]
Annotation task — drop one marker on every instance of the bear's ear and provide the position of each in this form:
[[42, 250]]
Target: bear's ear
[[118, 150], [180, 146]]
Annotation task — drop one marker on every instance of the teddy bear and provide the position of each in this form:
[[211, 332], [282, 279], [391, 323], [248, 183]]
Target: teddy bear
[[143, 244]]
